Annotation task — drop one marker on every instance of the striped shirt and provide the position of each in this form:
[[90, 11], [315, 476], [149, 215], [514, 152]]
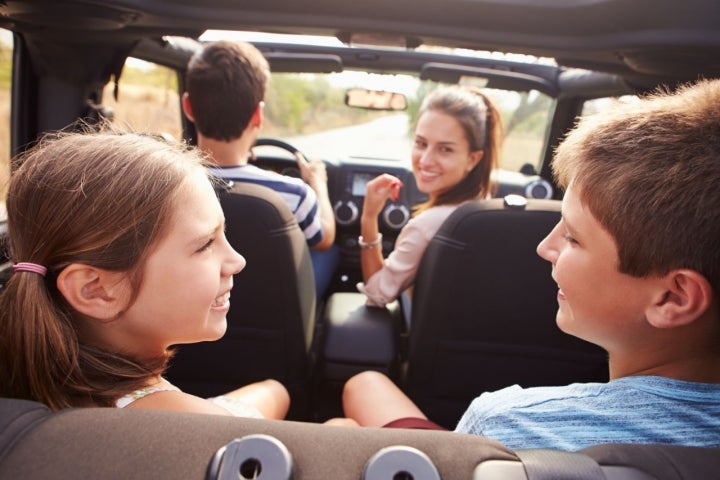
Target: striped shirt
[[297, 195], [643, 409]]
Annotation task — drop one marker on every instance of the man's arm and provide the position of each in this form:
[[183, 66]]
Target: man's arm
[[314, 174]]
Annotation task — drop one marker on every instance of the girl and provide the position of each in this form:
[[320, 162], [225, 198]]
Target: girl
[[120, 253], [457, 141]]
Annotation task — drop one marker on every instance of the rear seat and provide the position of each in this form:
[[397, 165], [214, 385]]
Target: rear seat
[[118, 444]]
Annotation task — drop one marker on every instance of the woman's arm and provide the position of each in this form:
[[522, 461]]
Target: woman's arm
[[377, 192]]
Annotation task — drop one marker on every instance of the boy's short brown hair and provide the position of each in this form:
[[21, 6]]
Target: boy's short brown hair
[[650, 173], [225, 82]]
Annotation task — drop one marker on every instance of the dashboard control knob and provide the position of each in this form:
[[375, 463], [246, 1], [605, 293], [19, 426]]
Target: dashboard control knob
[[396, 216], [346, 212], [540, 188]]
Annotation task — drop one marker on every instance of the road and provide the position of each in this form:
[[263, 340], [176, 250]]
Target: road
[[385, 138]]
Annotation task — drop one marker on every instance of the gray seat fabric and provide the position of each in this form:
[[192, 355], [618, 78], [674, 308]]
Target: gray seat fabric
[[17, 417], [109, 444], [272, 313], [483, 312], [112, 444]]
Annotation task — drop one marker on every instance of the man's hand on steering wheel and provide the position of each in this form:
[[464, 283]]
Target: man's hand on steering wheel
[[313, 172]]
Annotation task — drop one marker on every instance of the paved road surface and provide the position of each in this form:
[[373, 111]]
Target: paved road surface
[[385, 137]]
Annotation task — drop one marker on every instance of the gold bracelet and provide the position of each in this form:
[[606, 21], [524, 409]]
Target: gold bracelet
[[363, 244]]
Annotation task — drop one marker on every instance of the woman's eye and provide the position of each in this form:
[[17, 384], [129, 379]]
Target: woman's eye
[[419, 144]]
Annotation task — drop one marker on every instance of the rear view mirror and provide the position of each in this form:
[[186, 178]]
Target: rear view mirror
[[375, 99]]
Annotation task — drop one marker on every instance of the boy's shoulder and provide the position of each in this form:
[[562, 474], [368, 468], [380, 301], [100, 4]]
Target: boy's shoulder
[[622, 391]]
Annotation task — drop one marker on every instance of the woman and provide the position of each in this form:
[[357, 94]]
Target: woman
[[457, 140]]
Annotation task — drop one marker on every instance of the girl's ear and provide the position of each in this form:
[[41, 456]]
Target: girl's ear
[[475, 158], [93, 292], [187, 108], [685, 296]]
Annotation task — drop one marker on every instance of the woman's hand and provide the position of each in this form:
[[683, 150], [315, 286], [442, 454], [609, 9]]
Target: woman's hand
[[378, 191]]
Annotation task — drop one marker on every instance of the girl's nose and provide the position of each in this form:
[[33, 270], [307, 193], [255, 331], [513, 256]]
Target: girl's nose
[[236, 263]]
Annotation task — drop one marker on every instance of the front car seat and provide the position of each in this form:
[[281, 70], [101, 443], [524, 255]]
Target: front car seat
[[483, 311], [272, 314]]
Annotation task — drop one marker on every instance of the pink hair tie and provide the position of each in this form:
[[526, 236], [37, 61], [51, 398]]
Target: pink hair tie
[[30, 267]]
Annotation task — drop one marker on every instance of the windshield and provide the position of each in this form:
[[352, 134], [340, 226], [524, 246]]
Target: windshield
[[308, 110]]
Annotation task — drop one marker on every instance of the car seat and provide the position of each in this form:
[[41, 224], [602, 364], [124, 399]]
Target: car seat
[[112, 443], [483, 311], [272, 313]]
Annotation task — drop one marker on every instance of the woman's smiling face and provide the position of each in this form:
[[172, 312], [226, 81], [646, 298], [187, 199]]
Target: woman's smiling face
[[441, 155]]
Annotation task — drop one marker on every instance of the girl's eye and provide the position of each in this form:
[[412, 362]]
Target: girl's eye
[[446, 149], [207, 245], [420, 144]]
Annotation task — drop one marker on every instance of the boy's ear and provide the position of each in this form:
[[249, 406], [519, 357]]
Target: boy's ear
[[187, 108], [686, 295], [257, 117], [93, 292]]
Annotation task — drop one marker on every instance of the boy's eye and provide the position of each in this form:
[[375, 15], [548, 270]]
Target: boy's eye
[[569, 238]]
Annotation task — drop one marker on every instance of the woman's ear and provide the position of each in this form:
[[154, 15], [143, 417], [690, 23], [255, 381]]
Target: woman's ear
[[93, 292], [187, 108], [475, 158], [684, 296]]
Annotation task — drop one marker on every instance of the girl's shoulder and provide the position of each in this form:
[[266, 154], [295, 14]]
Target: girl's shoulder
[[162, 386]]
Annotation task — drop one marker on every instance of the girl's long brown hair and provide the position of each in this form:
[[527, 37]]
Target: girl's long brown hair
[[101, 199]]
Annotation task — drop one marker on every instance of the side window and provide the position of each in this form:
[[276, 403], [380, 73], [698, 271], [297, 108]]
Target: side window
[[6, 55], [147, 100]]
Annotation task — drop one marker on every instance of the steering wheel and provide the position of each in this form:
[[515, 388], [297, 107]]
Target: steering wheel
[[291, 171], [274, 142]]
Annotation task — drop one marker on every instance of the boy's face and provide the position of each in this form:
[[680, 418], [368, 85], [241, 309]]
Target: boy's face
[[596, 302]]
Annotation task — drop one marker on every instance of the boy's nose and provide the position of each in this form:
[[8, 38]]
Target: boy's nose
[[546, 249]]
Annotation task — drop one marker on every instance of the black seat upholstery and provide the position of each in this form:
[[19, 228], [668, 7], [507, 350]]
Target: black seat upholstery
[[272, 314], [483, 311]]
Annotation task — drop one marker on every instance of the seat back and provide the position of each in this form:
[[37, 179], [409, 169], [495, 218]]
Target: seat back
[[272, 313], [483, 311], [122, 443]]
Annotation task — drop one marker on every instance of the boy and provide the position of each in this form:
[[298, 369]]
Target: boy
[[636, 257]]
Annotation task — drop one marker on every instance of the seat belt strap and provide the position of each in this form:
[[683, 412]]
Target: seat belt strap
[[546, 464]]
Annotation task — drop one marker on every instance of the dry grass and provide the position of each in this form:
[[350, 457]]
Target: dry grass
[[144, 108]]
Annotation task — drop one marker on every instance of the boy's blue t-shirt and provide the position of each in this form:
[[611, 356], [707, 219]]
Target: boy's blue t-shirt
[[643, 409]]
